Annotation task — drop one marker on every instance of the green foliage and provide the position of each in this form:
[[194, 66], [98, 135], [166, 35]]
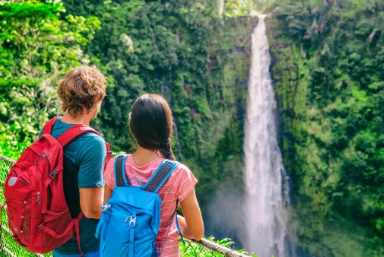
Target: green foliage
[[328, 63], [36, 49], [196, 60], [190, 249], [328, 76]]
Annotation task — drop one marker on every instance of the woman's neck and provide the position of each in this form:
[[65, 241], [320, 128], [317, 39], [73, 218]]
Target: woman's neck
[[143, 156]]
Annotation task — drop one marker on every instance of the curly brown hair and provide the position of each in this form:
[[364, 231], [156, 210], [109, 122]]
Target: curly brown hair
[[82, 87]]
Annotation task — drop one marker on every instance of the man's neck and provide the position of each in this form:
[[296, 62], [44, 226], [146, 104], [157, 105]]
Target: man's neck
[[79, 119]]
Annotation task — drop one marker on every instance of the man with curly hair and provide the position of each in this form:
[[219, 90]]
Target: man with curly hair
[[81, 91]]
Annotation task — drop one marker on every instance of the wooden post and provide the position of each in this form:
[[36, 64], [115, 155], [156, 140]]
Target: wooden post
[[7, 159], [217, 248]]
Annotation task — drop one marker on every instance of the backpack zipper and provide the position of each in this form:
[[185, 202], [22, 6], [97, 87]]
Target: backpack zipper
[[38, 198], [132, 221], [24, 182], [41, 155], [36, 152]]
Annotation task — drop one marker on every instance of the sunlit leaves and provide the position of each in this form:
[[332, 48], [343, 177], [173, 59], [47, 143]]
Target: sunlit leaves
[[36, 49]]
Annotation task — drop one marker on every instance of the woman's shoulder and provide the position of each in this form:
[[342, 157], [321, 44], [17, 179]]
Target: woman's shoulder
[[183, 171], [184, 181], [180, 167], [180, 170]]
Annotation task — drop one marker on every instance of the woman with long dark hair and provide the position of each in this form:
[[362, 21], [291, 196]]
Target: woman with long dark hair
[[150, 123]]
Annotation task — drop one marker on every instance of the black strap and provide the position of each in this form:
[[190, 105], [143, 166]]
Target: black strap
[[119, 176], [165, 168]]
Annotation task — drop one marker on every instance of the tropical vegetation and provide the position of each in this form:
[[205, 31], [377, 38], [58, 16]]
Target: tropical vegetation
[[327, 69]]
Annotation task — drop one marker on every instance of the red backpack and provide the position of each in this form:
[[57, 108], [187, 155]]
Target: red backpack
[[38, 214]]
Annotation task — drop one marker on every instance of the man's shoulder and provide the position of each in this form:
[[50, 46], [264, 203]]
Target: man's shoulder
[[92, 136], [91, 139]]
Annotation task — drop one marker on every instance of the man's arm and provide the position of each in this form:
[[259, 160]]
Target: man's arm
[[91, 200], [90, 178]]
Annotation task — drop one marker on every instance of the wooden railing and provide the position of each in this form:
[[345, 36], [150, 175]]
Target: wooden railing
[[9, 247]]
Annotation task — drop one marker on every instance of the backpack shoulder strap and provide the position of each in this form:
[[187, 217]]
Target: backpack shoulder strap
[[169, 228], [109, 154], [160, 176], [49, 125], [73, 132], [119, 169]]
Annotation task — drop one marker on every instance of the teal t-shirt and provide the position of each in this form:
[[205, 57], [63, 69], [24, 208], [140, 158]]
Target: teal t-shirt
[[83, 168]]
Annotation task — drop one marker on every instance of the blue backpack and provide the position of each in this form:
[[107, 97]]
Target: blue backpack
[[130, 219]]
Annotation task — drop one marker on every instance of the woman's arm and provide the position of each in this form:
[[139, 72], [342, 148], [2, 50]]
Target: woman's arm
[[191, 224]]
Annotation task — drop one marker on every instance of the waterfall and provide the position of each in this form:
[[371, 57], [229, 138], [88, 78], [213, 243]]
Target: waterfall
[[220, 8], [265, 180], [176, 133]]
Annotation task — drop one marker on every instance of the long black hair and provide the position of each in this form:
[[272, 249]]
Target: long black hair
[[151, 124]]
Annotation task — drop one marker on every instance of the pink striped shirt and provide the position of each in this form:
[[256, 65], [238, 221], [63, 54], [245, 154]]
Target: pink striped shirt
[[178, 186]]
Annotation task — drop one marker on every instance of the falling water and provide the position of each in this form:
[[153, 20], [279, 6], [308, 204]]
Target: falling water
[[265, 179], [220, 5], [176, 133]]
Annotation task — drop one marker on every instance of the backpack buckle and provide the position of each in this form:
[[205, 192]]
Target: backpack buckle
[[132, 221], [105, 207], [53, 174]]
